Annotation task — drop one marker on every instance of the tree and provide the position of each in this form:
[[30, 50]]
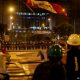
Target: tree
[[40, 37], [64, 29], [3, 28]]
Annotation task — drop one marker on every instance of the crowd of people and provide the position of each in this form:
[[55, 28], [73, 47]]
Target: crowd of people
[[4, 62], [54, 69], [28, 45]]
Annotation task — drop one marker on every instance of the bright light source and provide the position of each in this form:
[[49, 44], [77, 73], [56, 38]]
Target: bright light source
[[49, 19], [11, 17], [63, 10], [11, 9], [12, 23], [43, 25]]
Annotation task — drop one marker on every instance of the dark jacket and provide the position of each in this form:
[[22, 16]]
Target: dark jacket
[[49, 71], [71, 66]]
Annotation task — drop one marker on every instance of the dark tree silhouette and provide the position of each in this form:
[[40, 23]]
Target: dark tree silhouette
[[64, 29], [3, 28]]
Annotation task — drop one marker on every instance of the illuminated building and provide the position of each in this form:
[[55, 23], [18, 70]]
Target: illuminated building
[[32, 20]]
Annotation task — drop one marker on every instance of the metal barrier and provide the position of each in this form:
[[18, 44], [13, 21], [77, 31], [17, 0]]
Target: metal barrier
[[26, 46]]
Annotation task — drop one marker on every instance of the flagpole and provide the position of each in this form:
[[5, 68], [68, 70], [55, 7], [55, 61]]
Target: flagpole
[[28, 6]]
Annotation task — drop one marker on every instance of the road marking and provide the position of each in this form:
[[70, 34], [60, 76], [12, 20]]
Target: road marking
[[25, 68]]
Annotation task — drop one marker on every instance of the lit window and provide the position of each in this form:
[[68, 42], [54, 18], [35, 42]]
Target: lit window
[[37, 13], [40, 14], [29, 13], [24, 13], [43, 13], [33, 13], [21, 13]]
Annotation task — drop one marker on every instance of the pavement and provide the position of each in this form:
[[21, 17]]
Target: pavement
[[23, 64]]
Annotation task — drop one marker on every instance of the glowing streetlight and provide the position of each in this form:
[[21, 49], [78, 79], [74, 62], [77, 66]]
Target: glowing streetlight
[[11, 9], [50, 24], [49, 19], [43, 25], [11, 17], [11, 23]]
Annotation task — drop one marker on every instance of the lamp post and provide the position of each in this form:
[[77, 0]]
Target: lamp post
[[11, 11], [43, 26], [50, 24], [11, 23]]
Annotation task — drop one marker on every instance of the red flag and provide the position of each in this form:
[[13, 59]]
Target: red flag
[[52, 7], [59, 9]]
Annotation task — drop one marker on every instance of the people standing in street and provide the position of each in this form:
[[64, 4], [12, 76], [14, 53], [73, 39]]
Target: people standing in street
[[7, 55], [41, 55], [53, 69], [4, 61], [73, 57]]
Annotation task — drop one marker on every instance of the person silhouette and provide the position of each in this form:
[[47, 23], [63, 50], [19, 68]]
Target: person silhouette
[[41, 55], [73, 57], [53, 69]]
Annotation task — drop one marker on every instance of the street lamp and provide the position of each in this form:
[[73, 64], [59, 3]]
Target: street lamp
[[11, 9], [43, 26], [11, 17], [50, 24], [49, 19], [11, 23]]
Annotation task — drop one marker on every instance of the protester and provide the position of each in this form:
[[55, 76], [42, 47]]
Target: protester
[[53, 69], [73, 57], [41, 55], [62, 43], [7, 55], [4, 61]]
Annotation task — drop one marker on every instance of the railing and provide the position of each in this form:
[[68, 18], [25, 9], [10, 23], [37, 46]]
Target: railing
[[26, 46]]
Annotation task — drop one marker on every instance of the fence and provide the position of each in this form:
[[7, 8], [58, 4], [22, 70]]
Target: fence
[[26, 45]]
